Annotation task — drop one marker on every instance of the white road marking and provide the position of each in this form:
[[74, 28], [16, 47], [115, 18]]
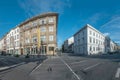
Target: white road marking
[[2, 68], [38, 66], [117, 75], [7, 67], [70, 69], [92, 66]]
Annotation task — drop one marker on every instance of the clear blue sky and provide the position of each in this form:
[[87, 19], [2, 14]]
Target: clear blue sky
[[73, 14]]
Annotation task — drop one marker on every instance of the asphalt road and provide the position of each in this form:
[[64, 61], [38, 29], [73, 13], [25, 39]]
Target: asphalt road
[[65, 67]]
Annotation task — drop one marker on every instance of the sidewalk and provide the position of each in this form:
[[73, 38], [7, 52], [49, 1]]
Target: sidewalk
[[8, 62]]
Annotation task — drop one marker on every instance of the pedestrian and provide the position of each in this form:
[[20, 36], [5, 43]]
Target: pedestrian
[[49, 69]]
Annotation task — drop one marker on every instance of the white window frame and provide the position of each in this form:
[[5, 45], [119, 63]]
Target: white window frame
[[51, 20], [43, 29], [51, 38], [43, 38], [50, 28]]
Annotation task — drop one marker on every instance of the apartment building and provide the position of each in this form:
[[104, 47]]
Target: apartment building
[[13, 41], [89, 40], [39, 34]]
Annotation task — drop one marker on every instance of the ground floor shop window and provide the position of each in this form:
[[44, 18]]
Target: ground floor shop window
[[51, 48]]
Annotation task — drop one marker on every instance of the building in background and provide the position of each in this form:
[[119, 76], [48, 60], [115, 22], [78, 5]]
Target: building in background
[[107, 44], [35, 35], [13, 41], [89, 40], [110, 46], [3, 44], [68, 44]]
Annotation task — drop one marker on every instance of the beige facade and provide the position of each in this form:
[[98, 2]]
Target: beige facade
[[39, 35]]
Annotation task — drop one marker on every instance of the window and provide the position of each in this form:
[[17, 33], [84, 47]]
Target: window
[[90, 39], [17, 36], [90, 32], [51, 29], [15, 44], [34, 23], [17, 30], [18, 44], [93, 40], [96, 48], [27, 40], [42, 21], [34, 39], [93, 48], [78, 41], [83, 40], [51, 38], [51, 48], [43, 38], [51, 20], [14, 37], [90, 48], [94, 34], [43, 29]]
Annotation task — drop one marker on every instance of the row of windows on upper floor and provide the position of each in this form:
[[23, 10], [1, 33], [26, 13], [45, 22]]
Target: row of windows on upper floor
[[42, 38], [34, 23], [91, 40], [38, 22], [81, 34], [95, 41], [15, 37], [15, 44], [44, 29], [95, 34], [13, 32]]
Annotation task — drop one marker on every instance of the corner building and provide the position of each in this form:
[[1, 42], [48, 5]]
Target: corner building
[[38, 35], [89, 40]]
